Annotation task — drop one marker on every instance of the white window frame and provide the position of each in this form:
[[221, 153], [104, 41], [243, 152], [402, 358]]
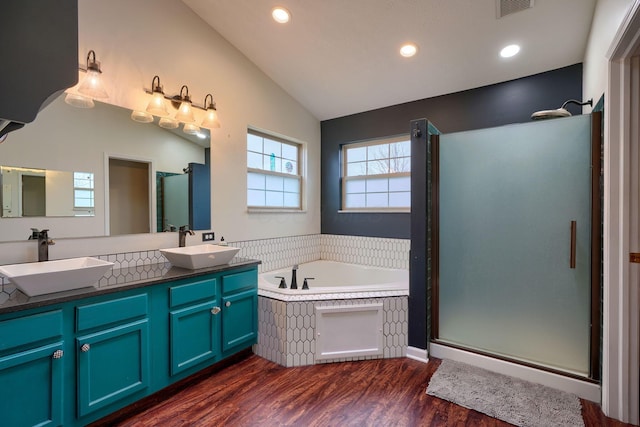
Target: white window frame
[[345, 178], [88, 210], [299, 175]]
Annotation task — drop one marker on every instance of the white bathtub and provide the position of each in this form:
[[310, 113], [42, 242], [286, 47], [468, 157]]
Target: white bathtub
[[331, 277]]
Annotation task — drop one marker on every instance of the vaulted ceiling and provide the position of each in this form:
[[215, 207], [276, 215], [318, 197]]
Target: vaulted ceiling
[[340, 57]]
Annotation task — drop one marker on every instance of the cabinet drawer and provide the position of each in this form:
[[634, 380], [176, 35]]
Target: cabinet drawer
[[192, 292], [239, 281], [30, 329], [110, 312]]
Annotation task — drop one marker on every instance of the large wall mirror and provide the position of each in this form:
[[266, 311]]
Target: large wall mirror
[[95, 172]]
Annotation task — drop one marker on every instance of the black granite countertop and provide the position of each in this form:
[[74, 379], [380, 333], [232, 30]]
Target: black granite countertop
[[118, 280]]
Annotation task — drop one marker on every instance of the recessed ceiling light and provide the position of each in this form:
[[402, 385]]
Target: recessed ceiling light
[[280, 15], [408, 50], [510, 51]]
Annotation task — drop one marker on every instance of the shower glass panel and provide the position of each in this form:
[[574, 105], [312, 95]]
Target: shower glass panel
[[508, 196]]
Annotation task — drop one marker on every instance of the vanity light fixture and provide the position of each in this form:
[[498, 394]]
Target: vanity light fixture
[[185, 112], [157, 106], [92, 84], [211, 116]]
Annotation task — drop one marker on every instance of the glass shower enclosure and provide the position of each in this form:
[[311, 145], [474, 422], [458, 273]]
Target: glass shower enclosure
[[514, 247]]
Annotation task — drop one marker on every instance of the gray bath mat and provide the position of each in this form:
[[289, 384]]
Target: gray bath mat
[[509, 399]]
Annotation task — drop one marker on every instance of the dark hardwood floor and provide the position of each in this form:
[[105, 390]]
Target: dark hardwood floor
[[256, 392]]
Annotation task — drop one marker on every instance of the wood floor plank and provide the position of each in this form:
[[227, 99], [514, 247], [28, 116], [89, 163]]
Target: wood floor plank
[[256, 392]]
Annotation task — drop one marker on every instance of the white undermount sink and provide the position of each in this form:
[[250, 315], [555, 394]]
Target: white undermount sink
[[38, 278], [200, 256]]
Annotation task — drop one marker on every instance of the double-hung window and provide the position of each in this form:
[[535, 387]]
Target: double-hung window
[[83, 193], [376, 175], [274, 176]]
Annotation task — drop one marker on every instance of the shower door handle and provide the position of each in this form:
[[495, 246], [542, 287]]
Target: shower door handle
[[572, 255]]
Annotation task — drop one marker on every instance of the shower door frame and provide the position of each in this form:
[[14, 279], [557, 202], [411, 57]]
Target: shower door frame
[[595, 253]]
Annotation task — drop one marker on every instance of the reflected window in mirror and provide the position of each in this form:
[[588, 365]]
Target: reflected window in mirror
[[83, 193]]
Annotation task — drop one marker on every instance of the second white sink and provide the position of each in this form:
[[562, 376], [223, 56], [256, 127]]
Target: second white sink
[[200, 256], [38, 278]]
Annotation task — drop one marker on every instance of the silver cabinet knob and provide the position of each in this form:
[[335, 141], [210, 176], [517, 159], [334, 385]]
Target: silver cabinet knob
[[215, 310], [85, 347], [227, 304], [58, 354]]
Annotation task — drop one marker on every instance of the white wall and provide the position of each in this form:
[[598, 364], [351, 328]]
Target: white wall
[[606, 20], [137, 39]]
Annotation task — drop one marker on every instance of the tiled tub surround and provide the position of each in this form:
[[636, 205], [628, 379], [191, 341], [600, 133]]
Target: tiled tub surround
[[349, 312], [287, 329]]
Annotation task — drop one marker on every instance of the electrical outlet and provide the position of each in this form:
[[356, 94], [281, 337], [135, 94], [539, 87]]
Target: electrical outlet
[[207, 237]]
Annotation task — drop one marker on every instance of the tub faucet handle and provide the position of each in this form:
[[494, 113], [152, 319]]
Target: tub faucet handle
[[283, 284], [305, 285]]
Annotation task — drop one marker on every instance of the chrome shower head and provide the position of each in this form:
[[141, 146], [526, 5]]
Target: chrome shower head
[[559, 112]]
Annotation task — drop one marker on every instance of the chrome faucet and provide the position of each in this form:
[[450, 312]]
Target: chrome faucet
[[43, 243], [182, 235], [294, 280]]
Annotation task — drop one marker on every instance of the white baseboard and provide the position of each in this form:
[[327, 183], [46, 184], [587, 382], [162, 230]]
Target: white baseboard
[[583, 389], [419, 354]]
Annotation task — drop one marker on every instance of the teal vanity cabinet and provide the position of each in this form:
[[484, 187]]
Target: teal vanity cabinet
[[239, 310], [31, 370], [72, 361], [112, 351], [193, 323]]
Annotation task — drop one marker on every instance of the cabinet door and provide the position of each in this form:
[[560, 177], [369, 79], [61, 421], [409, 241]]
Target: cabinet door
[[239, 319], [193, 335], [31, 387], [112, 364]]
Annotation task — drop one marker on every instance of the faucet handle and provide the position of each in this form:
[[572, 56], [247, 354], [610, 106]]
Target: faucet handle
[[305, 285], [283, 284]]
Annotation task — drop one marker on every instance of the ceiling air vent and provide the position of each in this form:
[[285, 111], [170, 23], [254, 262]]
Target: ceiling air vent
[[507, 7]]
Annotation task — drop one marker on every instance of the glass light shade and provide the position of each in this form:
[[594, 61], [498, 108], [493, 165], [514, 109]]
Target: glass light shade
[[185, 113], [78, 101], [168, 123], [210, 119], [190, 128], [157, 106], [141, 117], [92, 85]]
